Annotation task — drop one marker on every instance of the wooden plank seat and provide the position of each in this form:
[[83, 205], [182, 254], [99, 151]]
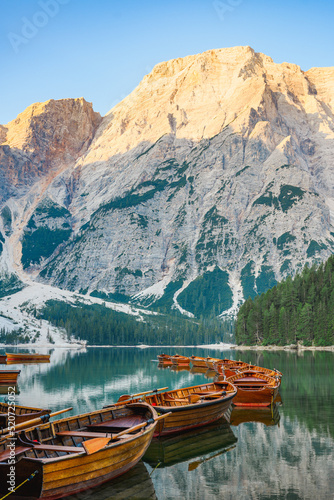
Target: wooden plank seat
[[54, 447], [18, 450], [167, 397], [208, 394], [84, 434], [117, 425]]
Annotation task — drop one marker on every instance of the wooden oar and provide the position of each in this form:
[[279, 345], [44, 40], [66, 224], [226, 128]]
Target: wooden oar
[[96, 444], [33, 422], [139, 426], [125, 397]]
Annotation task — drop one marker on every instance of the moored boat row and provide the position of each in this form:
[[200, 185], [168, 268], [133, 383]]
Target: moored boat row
[[256, 386], [77, 453]]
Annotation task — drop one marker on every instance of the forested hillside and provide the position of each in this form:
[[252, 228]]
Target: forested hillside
[[296, 310], [100, 325]]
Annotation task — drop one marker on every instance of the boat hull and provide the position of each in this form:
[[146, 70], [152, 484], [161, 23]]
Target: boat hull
[[164, 360], [259, 396], [18, 357], [61, 476], [198, 362], [8, 377], [184, 418], [70, 475], [254, 389], [180, 360]]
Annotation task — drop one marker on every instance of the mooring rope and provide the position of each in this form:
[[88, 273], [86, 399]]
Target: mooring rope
[[159, 463], [19, 486]]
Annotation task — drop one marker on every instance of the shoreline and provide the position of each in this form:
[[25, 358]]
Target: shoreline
[[229, 347], [283, 348]]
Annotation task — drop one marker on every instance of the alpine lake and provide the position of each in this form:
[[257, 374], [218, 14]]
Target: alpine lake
[[283, 452]]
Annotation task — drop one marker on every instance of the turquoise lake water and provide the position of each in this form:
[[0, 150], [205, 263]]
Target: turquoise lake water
[[282, 453]]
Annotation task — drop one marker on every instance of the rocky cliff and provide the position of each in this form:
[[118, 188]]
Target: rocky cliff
[[211, 181]]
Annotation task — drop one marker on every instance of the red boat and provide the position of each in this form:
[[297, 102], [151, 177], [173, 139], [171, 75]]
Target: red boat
[[164, 359], [254, 389]]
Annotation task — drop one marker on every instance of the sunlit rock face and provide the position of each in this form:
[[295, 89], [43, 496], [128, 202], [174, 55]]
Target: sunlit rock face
[[217, 165]]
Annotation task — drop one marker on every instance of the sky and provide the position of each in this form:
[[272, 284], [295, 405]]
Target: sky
[[101, 49]]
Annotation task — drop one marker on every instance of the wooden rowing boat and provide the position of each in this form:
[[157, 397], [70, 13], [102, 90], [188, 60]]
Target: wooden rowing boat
[[264, 415], [80, 452], [190, 407], [229, 367], [264, 371], [25, 357], [3, 359], [198, 361], [254, 389], [179, 360], [164, 359], [20, 413], [185, 447], [210, 361], [9, 377]]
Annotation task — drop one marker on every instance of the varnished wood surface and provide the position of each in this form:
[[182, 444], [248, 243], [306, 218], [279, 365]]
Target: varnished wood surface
[[27, 357], [9, 376], [254, 389], [62, 474], [188, 412]]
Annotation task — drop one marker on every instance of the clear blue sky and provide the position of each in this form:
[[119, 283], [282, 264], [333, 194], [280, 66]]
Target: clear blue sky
[[100, 49]]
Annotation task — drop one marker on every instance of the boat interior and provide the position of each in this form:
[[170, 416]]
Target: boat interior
[[78, 434]]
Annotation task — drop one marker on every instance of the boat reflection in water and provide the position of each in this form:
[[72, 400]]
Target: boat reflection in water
[[204, 444], [6, 389], [180, 368], [134, 485], [264, 415]]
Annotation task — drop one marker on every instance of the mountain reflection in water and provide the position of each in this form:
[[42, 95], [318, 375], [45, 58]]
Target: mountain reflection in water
[[286, 454]]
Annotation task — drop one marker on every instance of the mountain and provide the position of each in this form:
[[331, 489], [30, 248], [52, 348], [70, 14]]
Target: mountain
[[209, 183]]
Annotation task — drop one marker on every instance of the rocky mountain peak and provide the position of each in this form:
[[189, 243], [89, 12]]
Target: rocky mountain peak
[[209, 183]]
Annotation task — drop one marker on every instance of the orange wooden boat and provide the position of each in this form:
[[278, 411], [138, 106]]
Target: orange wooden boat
[[9, 377], [23, 357], [164, 359], [190, 407], [179, 360], [211, 361], [264, 371], [229, 367], [77, 453], [254, 389], [198, 361], [21, 413]]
